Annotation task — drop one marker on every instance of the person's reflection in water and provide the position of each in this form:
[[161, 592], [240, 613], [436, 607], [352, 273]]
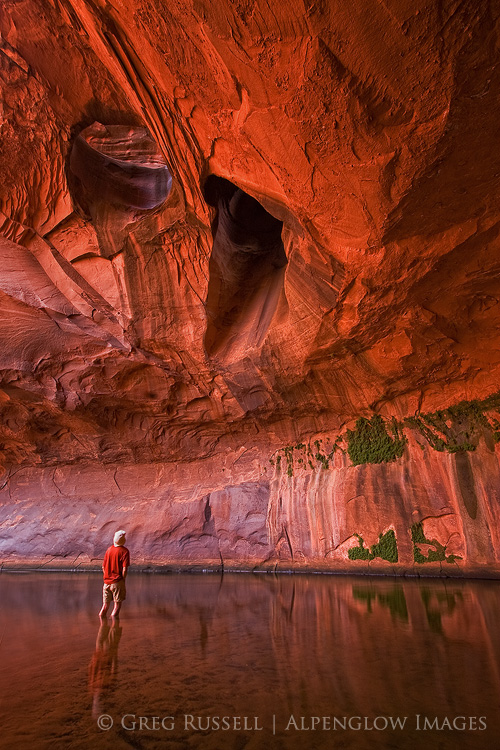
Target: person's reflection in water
[[103, 666]]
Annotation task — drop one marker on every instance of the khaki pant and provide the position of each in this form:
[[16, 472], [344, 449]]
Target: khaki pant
[[114, 591]]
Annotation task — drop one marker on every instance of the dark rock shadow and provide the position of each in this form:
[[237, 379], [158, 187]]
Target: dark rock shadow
[[246, 270]]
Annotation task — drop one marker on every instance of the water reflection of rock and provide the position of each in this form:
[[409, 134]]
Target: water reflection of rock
[[383, 648], [103, 667], [393, 599], [197, 608], [248, 645], [58, 593]]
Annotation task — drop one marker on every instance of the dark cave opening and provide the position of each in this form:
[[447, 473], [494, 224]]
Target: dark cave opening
[[246, 270]]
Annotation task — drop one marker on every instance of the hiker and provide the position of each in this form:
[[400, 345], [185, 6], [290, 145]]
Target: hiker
[[115, 567]]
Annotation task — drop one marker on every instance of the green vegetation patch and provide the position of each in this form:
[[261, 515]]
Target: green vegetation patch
[[458, 427], [370, 443], [360, 552], [375, 440], [438, 554], [312, 454], [386, 548]]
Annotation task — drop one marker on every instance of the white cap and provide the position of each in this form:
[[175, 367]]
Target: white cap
[[119, 538]]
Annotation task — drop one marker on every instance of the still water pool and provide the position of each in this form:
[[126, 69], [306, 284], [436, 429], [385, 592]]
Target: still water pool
[[252, 662]]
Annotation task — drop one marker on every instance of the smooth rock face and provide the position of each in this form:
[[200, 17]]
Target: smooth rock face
[[228, 229]]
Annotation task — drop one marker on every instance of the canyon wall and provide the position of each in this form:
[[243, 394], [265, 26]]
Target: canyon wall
[[228, 232]]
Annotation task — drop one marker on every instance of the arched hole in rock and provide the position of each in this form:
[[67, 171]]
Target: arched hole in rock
[[119, 165], [117, 176], [246, 270]]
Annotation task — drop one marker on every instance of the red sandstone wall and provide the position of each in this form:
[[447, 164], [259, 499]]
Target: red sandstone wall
[[370, 130], [65, 516]]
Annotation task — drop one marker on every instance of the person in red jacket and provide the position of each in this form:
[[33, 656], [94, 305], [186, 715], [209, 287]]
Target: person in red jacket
[[115, 567]]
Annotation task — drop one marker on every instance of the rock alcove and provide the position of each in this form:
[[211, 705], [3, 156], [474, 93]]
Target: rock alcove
[[270, 225], [246, 270]]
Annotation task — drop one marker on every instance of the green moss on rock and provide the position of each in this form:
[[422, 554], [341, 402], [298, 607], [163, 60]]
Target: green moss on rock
[[438, 554], [458, 427], [360, 552], [455, 429], [370, 443], [386, 548]]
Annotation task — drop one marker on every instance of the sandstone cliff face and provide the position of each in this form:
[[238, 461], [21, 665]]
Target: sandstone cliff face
[[227, 230]]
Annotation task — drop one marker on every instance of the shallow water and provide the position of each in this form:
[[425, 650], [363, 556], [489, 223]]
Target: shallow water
[[342, 655]]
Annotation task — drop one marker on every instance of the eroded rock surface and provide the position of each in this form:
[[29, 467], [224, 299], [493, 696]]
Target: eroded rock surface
[[173, 338]]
